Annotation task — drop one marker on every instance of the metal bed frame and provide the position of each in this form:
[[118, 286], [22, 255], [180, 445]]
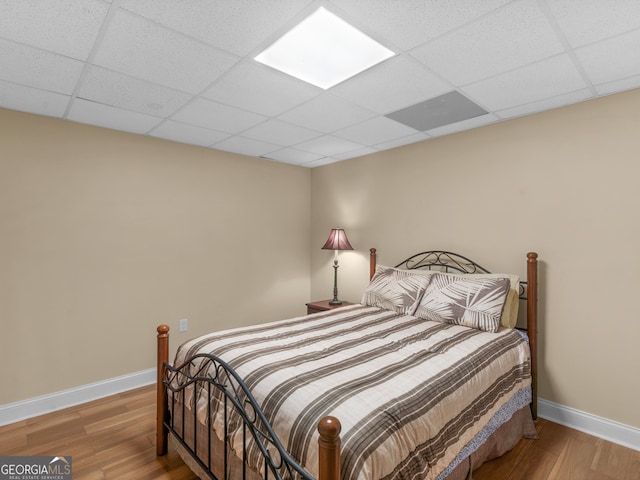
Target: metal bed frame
[[226, 387]]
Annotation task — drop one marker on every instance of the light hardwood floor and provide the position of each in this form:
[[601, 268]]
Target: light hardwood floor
[[114, 438], [561, 453]]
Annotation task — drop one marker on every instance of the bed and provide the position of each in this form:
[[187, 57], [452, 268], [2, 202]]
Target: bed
[[427, 378]]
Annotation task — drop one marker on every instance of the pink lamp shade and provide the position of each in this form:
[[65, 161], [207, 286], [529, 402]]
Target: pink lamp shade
[[337, 240]]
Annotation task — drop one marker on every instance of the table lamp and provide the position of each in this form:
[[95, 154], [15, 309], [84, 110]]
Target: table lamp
[[337, 241]]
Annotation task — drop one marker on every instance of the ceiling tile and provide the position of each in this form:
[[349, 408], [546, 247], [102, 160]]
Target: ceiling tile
[[619, 85], [464, 125], [237, 26], [420, 20], [36, 68], [260, 89], [293, 156], [39, 23], [549, 78], [546, 104], [216, 116], [588, 21], [508, 38], [327, 113], [181, 132], [355, 153], [246, 146], [399, 142], [116, 89], [280, 133], [328, 145], [106, 116], [613, 59], [32, 100], [321, 161], [391, 85], [142, 49], [374, 131]]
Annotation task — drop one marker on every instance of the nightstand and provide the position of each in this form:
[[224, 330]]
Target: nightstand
[[323, 305]]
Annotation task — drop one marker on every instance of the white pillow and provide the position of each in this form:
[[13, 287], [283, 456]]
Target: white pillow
[[509, 316], [396, 290], [465, 300]]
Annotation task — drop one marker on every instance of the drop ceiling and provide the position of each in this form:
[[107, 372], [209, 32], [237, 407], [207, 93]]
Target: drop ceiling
[[185, 70]]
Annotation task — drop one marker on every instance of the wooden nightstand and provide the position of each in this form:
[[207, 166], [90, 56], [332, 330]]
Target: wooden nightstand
[[323, 305]]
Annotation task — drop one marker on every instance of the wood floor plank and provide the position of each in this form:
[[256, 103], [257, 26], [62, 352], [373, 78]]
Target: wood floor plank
[[611, 459], [536, 464], [527, 461], [503, 469], [552, 437], [633, 471], [575, 461], [12, 441], [104, 458], [114, 438]]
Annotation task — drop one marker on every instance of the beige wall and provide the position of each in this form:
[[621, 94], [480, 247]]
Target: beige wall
[[563, 183], [104, 235]]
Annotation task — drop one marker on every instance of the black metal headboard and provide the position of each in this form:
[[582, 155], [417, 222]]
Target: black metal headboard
[[439, 258], [449, 262]]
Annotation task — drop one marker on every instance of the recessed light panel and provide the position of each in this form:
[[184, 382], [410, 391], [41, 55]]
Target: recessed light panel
[[324, 50]]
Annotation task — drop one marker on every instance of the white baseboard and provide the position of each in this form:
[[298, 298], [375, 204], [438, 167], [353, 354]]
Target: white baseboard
[[593, 425], [32, 407]]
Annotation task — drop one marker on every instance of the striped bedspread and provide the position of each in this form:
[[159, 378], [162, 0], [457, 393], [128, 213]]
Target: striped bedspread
[[410, 393]]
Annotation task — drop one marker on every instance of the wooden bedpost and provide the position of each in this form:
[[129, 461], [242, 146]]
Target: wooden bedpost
[[329, 448], [372, 262], [162, 407], [532, 325]]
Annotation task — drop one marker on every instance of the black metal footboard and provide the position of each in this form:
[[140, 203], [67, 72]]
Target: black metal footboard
[[206, 393]]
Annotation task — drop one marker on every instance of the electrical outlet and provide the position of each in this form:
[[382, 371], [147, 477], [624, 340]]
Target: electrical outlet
[[184, 325]]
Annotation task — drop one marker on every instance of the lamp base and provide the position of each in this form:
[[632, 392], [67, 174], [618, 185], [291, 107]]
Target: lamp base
[[335, 300]]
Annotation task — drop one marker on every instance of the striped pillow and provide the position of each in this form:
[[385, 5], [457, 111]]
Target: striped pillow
[[469, 301], [395, 290]]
